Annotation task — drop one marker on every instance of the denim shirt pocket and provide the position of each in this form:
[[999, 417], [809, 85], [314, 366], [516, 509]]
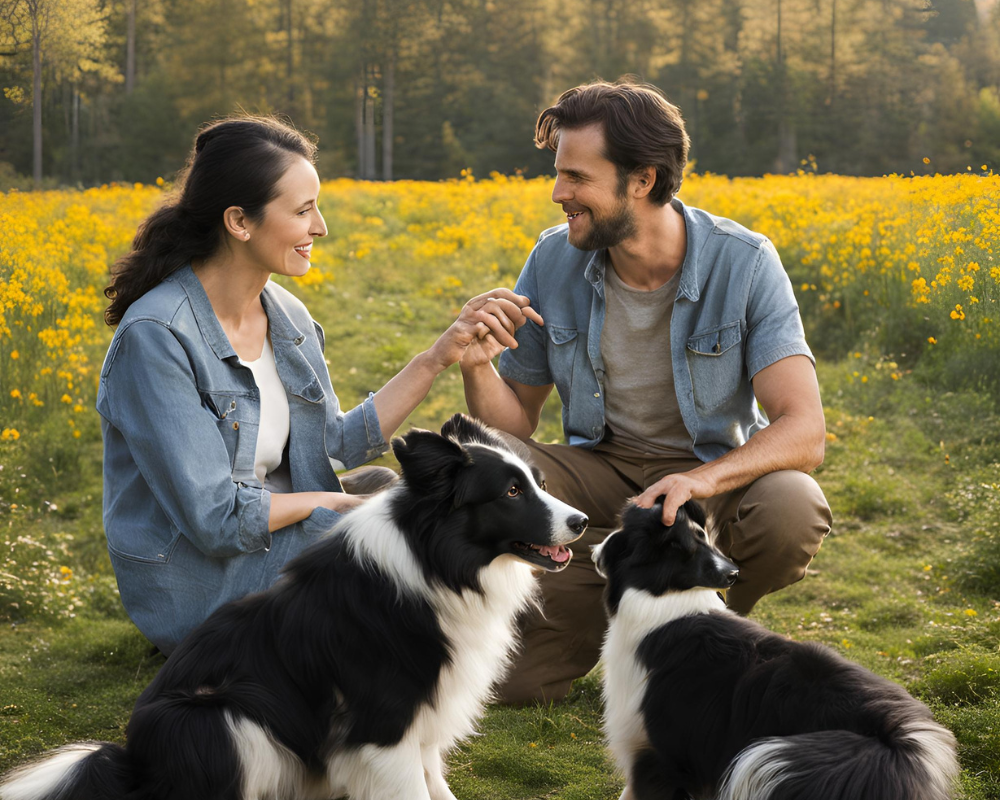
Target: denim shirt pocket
[[715, 360], [562, 355], [145, 549]]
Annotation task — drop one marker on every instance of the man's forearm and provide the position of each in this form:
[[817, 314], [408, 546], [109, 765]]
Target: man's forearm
[[795, 443], [490, 399]]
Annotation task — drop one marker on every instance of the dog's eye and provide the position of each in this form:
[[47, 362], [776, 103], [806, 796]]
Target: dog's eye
[[514, 491]]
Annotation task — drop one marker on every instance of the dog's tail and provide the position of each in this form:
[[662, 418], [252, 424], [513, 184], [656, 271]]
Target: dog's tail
[[85, 771], [917, 762]]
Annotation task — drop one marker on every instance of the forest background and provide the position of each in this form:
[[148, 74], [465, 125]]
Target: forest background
[[111, 90]]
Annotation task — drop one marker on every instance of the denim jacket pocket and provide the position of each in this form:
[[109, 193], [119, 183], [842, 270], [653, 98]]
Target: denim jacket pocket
[[146, 550], [312, 392], [715, 360], [562, 354], [320, 521], [224, 406]]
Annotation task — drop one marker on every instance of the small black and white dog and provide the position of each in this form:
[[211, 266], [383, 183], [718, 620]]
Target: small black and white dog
[[358, 671], [703, 703]]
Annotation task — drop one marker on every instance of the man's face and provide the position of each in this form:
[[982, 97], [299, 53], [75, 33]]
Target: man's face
[[600, 215]]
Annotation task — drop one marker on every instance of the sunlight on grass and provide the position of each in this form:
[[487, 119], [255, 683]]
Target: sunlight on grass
[[908, 584]]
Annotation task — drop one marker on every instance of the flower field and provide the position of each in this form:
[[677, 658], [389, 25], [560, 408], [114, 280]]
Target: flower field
[[901, 270], [898, 283]]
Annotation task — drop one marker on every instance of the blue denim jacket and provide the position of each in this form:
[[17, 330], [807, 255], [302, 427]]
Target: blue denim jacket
[[735, 314], [185, 517]]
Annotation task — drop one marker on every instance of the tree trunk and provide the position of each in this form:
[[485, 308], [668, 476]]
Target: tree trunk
[[833, 53], [359, 120], [36, 98], [290, 65], [370, 173], [388, 98], [130, 46], [74, 138], [787, 145]]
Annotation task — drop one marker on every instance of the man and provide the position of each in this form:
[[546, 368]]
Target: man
[[664, 327]]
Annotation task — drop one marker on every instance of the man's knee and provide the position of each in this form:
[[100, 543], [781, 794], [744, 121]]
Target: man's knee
[[791, 507], [779, 527]]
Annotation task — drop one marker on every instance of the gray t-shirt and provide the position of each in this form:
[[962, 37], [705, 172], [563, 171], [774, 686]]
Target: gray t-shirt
[[640, 403]]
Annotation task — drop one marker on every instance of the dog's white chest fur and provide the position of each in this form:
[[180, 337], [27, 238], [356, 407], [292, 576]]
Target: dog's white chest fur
[[480, 630], [639, 613]]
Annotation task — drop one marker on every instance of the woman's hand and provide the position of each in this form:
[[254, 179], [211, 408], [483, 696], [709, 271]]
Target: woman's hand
[[341, 502], [484, 329]]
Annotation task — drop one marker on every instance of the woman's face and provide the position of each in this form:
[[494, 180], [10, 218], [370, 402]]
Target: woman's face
[[281, 241]]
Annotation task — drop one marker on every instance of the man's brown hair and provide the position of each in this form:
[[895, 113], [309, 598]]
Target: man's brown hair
[[641, 129]]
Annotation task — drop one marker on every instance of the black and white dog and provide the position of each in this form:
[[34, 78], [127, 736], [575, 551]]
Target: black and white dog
[[703, 703], [370, 658]]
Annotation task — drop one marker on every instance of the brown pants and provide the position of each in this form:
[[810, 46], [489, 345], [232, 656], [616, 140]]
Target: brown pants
[[771, 529]]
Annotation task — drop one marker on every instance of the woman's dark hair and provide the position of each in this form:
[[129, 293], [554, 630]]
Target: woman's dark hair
[[235, 162], [641, 129]]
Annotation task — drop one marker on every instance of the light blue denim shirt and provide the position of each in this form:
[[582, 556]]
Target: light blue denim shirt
[[735, 314], [185, 517]]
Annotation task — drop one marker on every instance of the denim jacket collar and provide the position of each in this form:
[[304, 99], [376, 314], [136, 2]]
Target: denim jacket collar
[[688, 285], [281, 326], [204, 314]]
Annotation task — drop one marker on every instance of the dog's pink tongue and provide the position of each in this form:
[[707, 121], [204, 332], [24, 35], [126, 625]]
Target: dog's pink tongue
[[559, 554]]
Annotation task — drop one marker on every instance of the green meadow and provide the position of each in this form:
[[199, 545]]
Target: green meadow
[[908, 583]]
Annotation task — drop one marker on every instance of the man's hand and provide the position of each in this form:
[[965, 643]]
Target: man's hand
[[484, 329], [678, 488]]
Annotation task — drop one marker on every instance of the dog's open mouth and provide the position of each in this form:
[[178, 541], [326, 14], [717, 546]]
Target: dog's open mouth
[[550, 557]]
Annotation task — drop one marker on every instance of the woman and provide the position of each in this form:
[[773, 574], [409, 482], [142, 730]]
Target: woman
[[222, 431]]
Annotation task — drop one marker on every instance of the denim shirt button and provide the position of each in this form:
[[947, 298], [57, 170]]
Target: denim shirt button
[[299, 340], [597, 394], [236, 426]]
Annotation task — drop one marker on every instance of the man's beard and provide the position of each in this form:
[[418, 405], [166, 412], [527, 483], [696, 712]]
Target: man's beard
[[609, 231]]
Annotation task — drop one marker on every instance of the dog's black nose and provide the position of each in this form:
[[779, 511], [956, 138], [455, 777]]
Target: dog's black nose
[[731, 576], [578, 523]]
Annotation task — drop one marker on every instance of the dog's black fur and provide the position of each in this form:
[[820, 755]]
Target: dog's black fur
[[349, 647], [733, 711]]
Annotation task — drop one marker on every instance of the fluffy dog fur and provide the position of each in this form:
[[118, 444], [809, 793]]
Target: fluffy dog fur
[[363, 665], [703, 703]]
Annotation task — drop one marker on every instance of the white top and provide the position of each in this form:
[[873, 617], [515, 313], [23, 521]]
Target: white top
[[272, 433]]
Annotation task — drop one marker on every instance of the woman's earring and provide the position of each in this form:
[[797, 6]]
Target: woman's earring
[[246, 235]]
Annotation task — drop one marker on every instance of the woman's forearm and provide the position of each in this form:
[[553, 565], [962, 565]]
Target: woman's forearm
[[287, 509], [395, 401]]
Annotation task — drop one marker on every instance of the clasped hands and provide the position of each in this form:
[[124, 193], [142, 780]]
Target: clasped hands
[[484, 329]]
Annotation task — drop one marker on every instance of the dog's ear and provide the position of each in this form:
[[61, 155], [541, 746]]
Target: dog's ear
[[633, 516], [428, 460], [695, 512], [466, 430], [615, 547]]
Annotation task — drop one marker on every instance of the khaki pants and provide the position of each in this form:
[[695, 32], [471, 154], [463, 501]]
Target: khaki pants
[[771, 529]]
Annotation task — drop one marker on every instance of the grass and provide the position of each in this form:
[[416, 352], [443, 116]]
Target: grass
[[906, 585]]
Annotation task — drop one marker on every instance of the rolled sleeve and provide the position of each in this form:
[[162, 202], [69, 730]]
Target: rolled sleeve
[[774, 325], [361, 435], [151, 397], [528, 363], [353, 437]]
